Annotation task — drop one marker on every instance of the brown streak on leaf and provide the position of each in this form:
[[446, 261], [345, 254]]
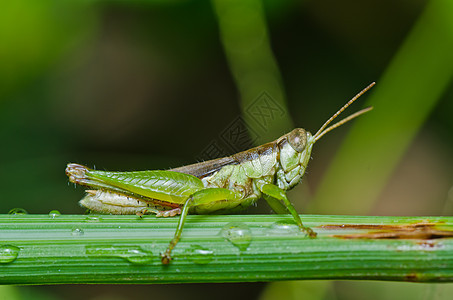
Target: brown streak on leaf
[[420, 230], [412, 277]]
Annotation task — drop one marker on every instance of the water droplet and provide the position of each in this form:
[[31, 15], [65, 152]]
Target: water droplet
[[76, 231], [238, 234], [200, 255], [17, 211], [54, 214], [8, 253], [284, 228], [138, 256], [93, 219], [133, 254]]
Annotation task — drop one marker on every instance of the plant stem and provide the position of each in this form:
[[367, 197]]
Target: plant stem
[[412, 85], [126, 249]]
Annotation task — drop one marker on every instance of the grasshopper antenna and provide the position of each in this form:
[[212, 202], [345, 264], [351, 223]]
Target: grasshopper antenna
[[323, 130]]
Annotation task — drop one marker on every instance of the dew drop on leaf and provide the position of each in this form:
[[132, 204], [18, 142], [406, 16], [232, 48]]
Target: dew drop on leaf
[[54, 214], [8, 253], [76, 231], [238, 234], [17, 211], [283, 228], [200, 255]]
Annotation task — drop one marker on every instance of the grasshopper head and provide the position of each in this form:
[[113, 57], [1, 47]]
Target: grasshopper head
[[297, 139], [295, 147]]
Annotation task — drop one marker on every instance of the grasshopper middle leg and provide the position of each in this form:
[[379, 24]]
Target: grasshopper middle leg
[[206, 196]]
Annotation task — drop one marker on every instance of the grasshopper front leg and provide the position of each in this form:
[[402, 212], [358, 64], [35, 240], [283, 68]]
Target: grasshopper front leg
[[205, 197], [274, 195]]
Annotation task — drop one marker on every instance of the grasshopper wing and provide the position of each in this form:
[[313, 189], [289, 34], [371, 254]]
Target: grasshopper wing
[[206, 168]]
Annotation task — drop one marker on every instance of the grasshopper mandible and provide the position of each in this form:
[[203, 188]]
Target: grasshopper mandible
[[216, 186]]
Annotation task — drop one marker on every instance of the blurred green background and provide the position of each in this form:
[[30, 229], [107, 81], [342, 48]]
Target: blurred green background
[[135, 85]]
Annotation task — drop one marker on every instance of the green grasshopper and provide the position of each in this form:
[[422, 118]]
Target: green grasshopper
[[216, 186]]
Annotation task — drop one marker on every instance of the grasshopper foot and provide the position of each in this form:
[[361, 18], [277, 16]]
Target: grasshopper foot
[[165, 257], [169, 213], [159, 213], [308, 231], [76, 173]]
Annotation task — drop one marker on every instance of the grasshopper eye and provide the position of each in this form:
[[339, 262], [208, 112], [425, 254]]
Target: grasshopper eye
[[298, 139]]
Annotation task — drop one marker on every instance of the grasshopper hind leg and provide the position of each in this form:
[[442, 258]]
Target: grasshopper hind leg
[[108, 202]]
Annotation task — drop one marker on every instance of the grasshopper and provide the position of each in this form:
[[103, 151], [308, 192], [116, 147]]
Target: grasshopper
[[216, 186]]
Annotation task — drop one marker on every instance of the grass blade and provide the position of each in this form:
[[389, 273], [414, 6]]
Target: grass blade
[[125, 249]]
